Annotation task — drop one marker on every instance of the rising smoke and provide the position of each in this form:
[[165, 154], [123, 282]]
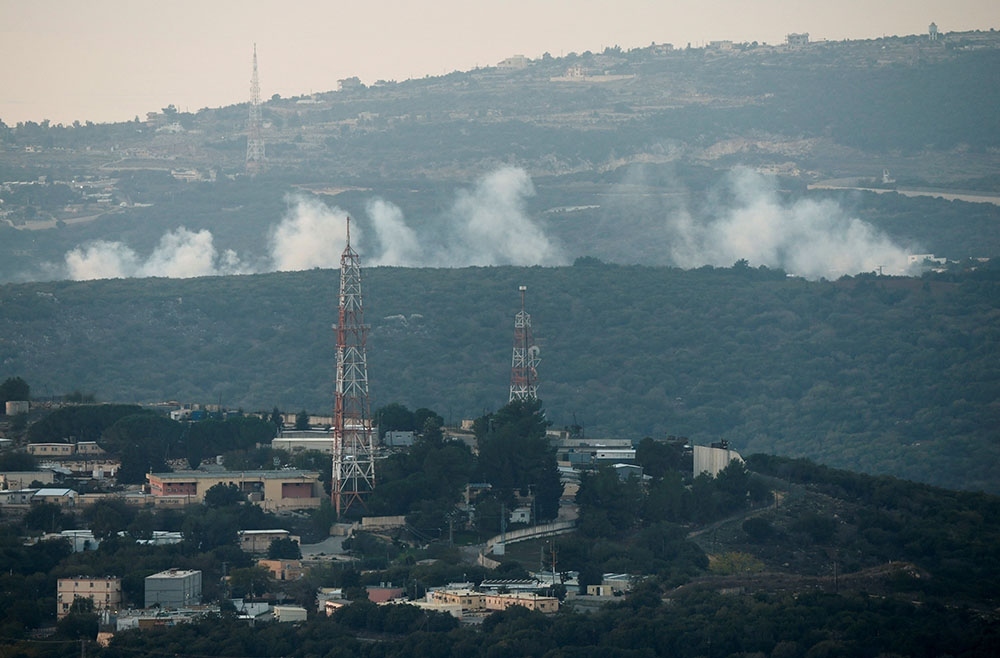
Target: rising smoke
[[745, 218], [812, 239], [180, 254], [488, 225]]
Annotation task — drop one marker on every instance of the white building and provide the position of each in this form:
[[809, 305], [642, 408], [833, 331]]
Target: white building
[[714, 459]]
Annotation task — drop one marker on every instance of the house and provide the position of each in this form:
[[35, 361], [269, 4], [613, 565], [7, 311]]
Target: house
[[106, 593]]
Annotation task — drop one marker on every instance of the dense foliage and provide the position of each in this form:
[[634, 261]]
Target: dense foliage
[[878, 374]]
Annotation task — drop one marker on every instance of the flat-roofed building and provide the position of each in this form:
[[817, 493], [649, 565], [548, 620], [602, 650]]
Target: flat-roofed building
[[530, 601], [51, 449], [467, 599], [272, 490], [173, 588], [257, 542], [23, 479], [105, 592], [283, 569]]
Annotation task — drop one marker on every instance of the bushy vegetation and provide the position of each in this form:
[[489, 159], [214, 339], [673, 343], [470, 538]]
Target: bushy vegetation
[[879, 374]]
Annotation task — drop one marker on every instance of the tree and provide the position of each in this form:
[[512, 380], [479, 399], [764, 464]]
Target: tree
[[302, 420], [108, 516], [13, 388], [284, 548], [515, 456], [224, 495], [394, 417], [250, 582]]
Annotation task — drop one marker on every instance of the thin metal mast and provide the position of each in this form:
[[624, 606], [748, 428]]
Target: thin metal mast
[[525, 360], [255, 141], [353, 438]]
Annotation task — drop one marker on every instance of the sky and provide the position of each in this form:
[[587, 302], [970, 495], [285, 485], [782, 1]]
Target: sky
[[113, 60]]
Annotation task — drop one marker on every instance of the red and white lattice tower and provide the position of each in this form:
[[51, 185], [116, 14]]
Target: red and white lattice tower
[[353, 437], [255, 140], [524, 363]]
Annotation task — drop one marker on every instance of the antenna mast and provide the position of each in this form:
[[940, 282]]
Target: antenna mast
[[353, 438], [255, 141], [524, 361]]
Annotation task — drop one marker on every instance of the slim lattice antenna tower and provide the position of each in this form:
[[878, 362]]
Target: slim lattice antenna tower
[[353, 438], [255, 141], [524, 363]]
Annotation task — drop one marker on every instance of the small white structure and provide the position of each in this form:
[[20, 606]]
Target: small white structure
[[713, 459], [289, 613]]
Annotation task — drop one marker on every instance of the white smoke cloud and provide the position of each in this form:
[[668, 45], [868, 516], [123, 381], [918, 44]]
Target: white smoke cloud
[[180, 254], [308, 235], [490, 227], [812, 239], [398, 244], [487, 224]]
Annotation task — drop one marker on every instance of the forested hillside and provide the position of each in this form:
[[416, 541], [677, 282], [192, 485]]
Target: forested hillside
[[874, 374]]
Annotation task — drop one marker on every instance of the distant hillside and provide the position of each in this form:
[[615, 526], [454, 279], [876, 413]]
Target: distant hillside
[[879, 375]]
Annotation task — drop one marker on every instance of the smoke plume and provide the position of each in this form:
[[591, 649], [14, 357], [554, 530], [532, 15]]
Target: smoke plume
[[808, 238], [486, 225], [180, 254]]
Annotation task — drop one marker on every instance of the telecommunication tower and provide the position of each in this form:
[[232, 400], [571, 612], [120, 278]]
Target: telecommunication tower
[[524, 362], [353, 438], [255, 141]]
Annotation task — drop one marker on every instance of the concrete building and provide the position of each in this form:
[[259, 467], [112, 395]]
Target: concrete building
[[51, 449], [272, 490], [22, 479], [106, 593], [173, 588], [256, 542], [468, 599], [545, 604], [283, 569], [713, 459]]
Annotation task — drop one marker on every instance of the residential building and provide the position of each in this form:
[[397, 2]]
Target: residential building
[[106, 593]]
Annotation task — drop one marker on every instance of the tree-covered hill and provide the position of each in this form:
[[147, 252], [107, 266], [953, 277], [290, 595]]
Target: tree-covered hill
[[875, 374]]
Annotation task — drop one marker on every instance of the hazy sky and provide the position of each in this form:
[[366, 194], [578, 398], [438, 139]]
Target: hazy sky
[[111, 60]]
